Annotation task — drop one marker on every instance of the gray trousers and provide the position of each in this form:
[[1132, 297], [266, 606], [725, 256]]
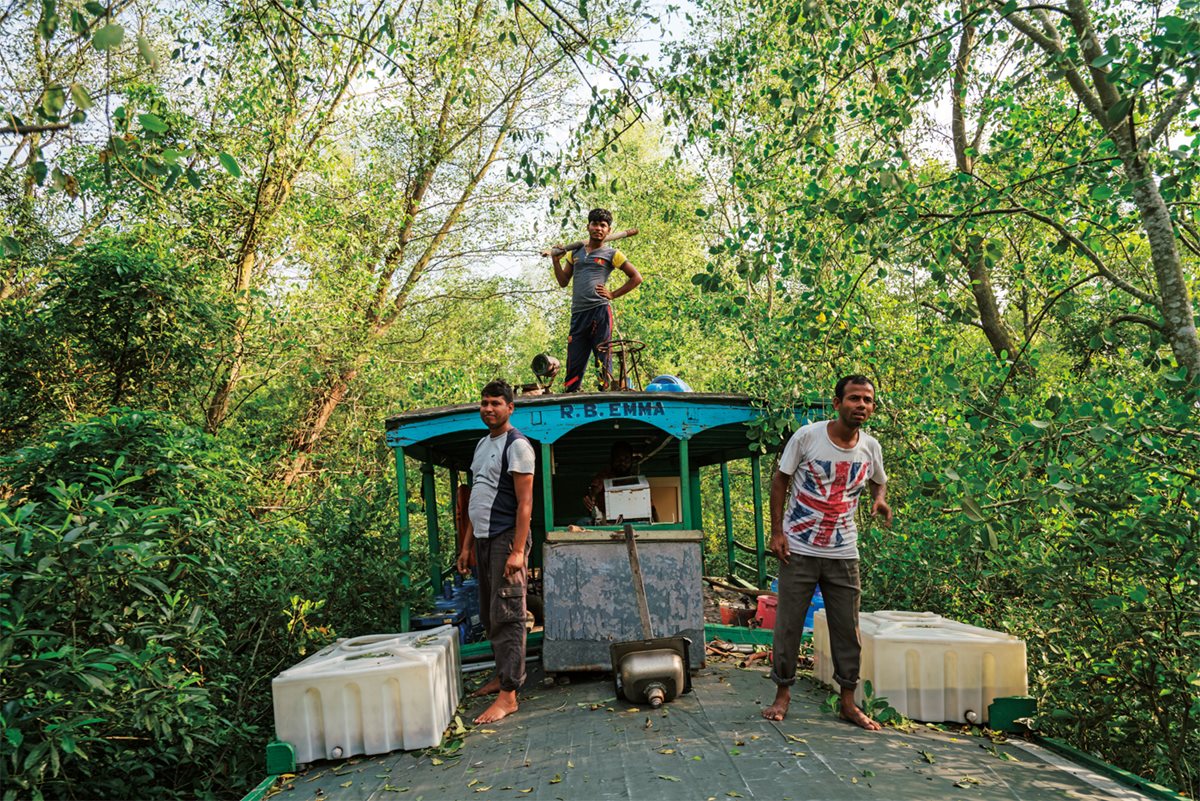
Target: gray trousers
[[838, 579], [502, 606]]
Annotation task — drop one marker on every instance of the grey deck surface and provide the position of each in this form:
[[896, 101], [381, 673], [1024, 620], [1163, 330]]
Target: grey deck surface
[[711, 744]]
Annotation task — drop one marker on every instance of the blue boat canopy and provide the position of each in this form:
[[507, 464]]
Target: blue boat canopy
[[716, 425]]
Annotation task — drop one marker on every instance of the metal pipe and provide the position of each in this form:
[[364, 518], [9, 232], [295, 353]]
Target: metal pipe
[[639, 587]]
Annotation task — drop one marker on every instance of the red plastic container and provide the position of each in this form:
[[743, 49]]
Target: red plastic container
[[766, 611], [732, 615]]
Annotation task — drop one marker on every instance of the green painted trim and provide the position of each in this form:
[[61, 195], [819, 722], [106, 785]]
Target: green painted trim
[[637, 526], [697, 505], [281, 757], [1150, 788], [547, 487], [728, 509], [737, 634], [745, 548], [454, 482], [748, 569], [402, 520], [474, 650], [1005, 710], [685, 484], [760, 545], [736, 579], [260, 792], [429, 492], [644, 534]]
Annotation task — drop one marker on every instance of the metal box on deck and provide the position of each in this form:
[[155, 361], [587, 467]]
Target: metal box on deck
[[370, 695], [928, 667], [590, 603]]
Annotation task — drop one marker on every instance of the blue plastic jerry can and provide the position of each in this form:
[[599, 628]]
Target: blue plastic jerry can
[[817, 602]]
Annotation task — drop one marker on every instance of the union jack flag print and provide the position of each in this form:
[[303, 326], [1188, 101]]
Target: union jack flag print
[[826, 495]]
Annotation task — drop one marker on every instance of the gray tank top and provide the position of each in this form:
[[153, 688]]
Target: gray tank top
[[590, 269]]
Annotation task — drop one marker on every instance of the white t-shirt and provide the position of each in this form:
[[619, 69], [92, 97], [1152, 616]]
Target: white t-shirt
[[493, 506], [826, 483]]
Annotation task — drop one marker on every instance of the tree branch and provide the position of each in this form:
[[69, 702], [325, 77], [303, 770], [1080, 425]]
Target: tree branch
[[22, 130], [943, 312], [1168, 114], [1075, 241], [1101, 267], [1136, 318], [1052, 46]]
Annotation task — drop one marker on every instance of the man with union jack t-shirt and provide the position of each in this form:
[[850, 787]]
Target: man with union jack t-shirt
[[824, 470]]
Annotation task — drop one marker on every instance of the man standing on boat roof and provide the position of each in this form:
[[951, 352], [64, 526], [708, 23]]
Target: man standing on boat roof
[[824, 469], [591, 300], [497, 540]]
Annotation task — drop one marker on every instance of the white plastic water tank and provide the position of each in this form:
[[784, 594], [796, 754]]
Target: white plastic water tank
[[370, 695], [627, 497], [928, 667]]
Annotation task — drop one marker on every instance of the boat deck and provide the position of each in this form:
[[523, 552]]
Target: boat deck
[[576, 741]]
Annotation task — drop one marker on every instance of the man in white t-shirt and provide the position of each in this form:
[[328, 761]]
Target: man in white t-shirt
[[824, 469], [496, 539]]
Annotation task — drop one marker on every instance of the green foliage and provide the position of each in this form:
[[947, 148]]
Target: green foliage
[[878, 708], [109, 643], [1067, 518], [353, 533], [27, 243], [113, 325], [145, 610], [800, 218], [1046, 487]]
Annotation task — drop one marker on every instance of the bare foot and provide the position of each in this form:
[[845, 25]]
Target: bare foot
[[851, 712], [778, 709], [504, 705], [491, 688]]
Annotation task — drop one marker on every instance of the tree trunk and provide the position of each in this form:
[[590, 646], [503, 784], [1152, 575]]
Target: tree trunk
[[994, 326], [282, 164], [376, 322], [973, 258], [1174, 300], [218, 406], [316, 418]]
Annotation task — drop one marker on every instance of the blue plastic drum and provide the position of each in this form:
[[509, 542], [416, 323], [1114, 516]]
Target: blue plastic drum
[[667, 383]]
